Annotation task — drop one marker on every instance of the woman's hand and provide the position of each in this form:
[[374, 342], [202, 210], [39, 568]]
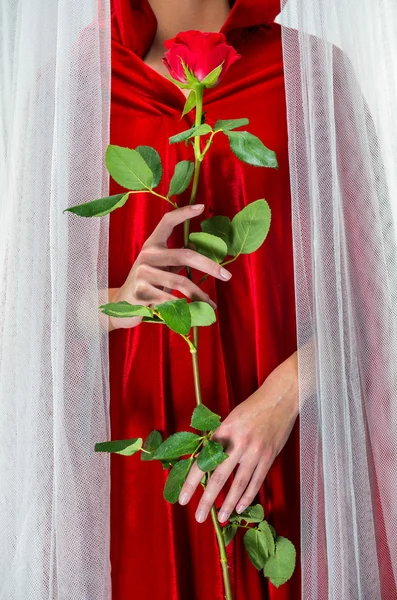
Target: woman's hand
[[155, 272], [253, 434]]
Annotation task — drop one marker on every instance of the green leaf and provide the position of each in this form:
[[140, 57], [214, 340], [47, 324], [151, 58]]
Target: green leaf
[[124, 447], [190, 76], [212, 78], [151, 444], [221, 227], [229, 124], [190, 103], [128, 168], [273, 531], [176, 479], [169, 463], [250, 227], [266, 529], [202, 314], [255, 544], [178, 444], [153, 161], [184, 86], [124, 309], [201, 130], [209, 245], [211, 456], [153, 319], [182, 177], [228, 532], [176, 315], [100, 207], [250, 149], [280, 567], [204, 419], [253, 514], [184, 135]]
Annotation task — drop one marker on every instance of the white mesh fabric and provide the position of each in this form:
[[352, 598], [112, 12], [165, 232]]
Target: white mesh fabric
[[340, 60], [54, 122]]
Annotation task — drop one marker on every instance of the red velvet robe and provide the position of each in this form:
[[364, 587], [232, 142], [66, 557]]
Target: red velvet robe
[[158, 550]]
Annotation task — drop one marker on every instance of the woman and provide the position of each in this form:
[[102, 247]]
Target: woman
[[248, 363]]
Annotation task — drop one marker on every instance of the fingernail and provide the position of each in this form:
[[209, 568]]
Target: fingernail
[[184, 498], [212, 304], [225, 274], [197, 206], [222, 516], [240, 508], [200, 516]]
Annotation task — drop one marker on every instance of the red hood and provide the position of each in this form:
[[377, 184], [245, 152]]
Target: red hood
[[134, 24]]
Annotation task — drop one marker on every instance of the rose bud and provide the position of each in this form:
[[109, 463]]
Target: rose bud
[[194, 57]]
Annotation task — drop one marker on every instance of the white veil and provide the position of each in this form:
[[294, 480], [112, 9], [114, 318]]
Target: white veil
[[341, 89], [54, 121], [340, 59]]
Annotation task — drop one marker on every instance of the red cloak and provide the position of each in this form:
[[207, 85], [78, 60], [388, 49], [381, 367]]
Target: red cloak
[[158, 550]]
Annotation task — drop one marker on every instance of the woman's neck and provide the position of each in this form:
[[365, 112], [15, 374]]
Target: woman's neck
[[174, 16]]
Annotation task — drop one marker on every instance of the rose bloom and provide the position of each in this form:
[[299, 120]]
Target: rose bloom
[[201, 53]]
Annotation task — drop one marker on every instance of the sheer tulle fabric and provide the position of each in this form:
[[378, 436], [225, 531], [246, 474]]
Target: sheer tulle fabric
[[54, 115], [340, 73]]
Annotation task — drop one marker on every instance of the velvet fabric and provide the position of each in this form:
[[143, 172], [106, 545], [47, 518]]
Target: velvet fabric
[[158, 550]]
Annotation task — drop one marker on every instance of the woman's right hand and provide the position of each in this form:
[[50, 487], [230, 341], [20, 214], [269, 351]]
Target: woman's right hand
[[155, 272]]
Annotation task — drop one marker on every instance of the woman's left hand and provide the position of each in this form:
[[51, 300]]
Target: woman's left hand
[[253, 434]]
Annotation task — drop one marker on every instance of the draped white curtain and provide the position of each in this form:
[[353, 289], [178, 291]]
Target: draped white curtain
[[54, 122], [340, 59]]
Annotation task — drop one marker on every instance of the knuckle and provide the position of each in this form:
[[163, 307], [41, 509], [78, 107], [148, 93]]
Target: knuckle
[[145, 254], [257, 449], [268, 454], [241, 483], [142, 271], [217, 478], [167, 218], [242, 440], [188, 254], [187, 487], [141, 289], [180, 281]]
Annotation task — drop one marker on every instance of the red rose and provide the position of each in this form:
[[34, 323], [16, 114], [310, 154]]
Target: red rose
[[200, 52]]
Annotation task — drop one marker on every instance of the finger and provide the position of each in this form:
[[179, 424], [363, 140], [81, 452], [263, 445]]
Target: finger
[[191, 483], [170, 220], [255, 484], [214, 486], [173, 270], [238, 487], [174, 257], [173, 281]]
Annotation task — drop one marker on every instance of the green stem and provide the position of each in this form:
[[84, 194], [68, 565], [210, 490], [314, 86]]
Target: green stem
[[197, 388], [208, 144], [174, 204], [198, 157], [222, 551], [186, 227]]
